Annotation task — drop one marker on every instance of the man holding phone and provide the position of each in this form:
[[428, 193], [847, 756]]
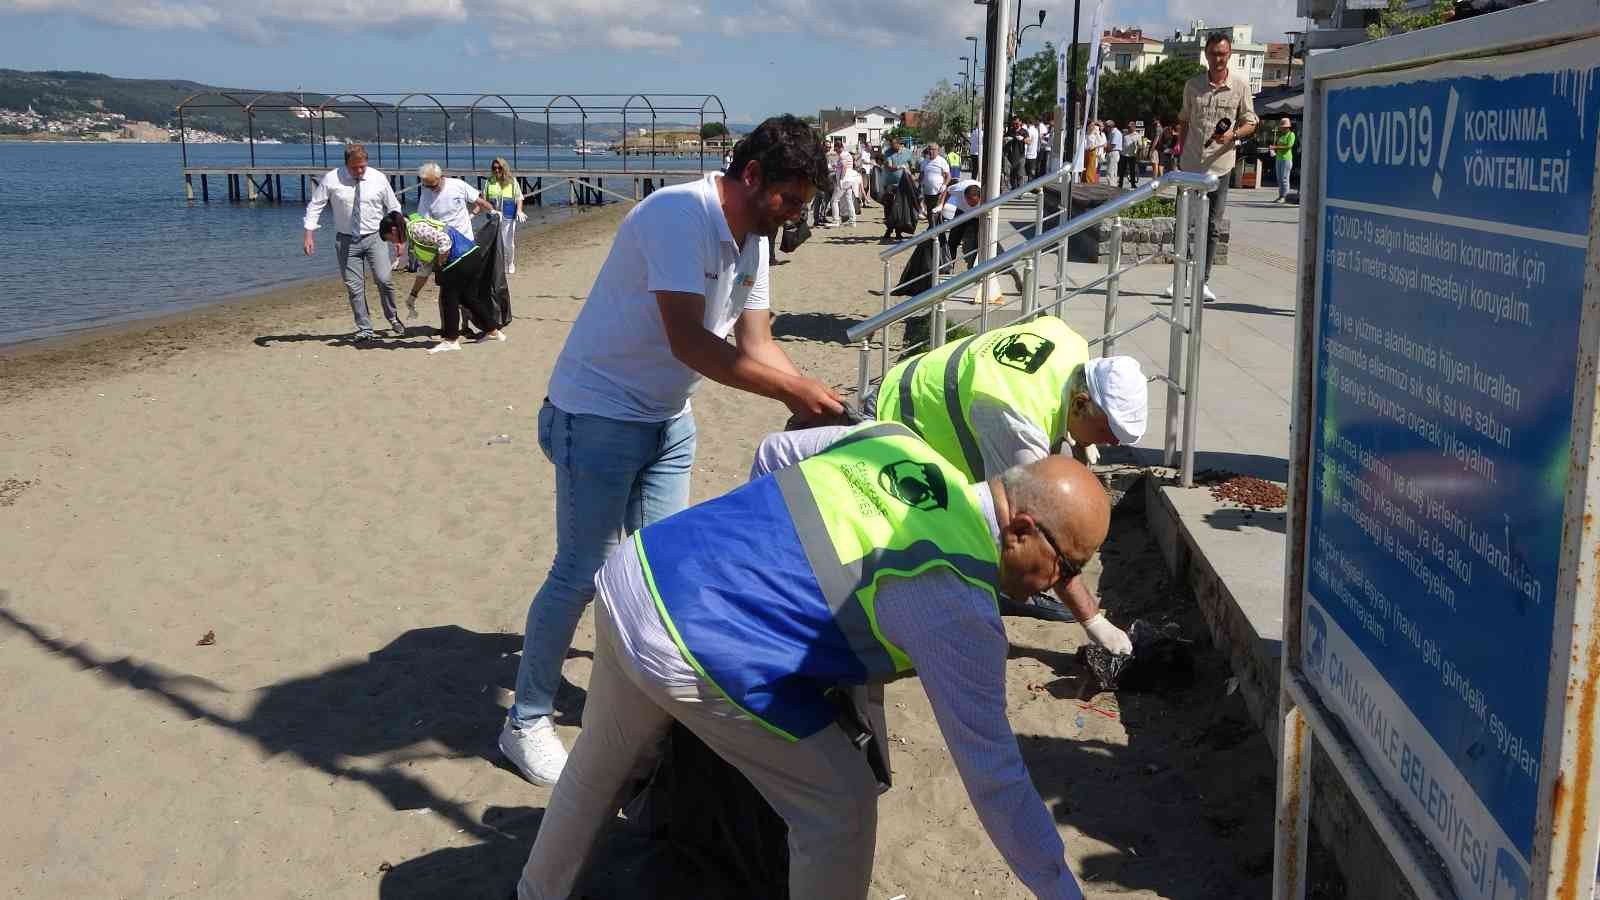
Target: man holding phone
[[1218, 111]]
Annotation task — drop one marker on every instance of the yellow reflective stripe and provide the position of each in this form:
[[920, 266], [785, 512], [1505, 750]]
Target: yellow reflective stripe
[[666, 619]]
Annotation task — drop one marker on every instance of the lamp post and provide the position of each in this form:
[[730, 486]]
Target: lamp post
[[1011, 99], [972, 83]]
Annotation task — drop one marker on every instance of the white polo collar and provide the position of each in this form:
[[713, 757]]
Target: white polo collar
[[712, 198]]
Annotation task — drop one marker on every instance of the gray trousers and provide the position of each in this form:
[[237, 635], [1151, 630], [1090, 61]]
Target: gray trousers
[[821, 786], [1219, 202], [372, 251]]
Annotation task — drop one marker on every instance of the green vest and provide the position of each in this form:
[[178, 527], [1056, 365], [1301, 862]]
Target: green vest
[[769, 590], [1022, 367], [424, 252]]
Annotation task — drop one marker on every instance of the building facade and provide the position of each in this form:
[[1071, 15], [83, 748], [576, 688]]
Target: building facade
[[1130, 50], [1249, 58], [1281, 67], [856, 126]]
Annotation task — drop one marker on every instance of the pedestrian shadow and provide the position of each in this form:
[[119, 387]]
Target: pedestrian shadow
[[856, 239], [821, 327], [484, 871], [1233, 518], [345, 340], [1255, 309], [430, 693]]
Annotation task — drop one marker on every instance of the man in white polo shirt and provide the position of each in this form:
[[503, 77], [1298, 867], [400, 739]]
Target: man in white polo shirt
[[688, 267], [451, 201]]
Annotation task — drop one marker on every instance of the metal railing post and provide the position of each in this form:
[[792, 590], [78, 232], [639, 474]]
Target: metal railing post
[[937, 338], [1191, 379], [1062, 218], [861, 368], [1113, 285], [1180, 249], [1031, 300], [1030, 284], [883, 338]]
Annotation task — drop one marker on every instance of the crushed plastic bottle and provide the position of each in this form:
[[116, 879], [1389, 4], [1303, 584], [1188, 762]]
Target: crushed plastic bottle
[[500, 439]]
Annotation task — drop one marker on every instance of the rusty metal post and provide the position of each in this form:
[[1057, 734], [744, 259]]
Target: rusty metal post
[[1294, 803]]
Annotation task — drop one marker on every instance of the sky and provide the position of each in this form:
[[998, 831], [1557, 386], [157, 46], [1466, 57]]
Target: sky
[[759, 57]]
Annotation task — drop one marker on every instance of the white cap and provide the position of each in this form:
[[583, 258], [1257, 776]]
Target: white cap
[[1117, 385]]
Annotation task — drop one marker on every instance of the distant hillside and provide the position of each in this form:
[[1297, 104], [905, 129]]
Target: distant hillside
[[67, 95]]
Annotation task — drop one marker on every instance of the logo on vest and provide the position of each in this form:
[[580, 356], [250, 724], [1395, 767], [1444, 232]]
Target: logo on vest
[[917, 485], [1024, 352]]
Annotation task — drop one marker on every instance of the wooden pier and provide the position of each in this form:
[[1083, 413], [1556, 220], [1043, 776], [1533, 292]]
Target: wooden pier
[[583, 186]]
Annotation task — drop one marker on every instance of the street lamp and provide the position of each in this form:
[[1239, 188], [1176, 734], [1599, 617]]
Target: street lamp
[[972, 83], [1012, 97]]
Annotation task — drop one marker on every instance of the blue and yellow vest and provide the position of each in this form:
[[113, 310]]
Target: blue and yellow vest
[[504, 197], [768, 591], [460, 244], [1022, 367]]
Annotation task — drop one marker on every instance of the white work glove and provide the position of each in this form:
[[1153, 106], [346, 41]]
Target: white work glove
[[1109, 636], [521, 217]]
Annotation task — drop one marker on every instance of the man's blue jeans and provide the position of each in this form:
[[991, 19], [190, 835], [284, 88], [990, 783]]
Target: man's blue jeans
[[1284, 166], [612, 477]]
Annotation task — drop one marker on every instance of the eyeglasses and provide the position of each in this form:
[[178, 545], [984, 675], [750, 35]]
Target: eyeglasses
[[1069, 569]]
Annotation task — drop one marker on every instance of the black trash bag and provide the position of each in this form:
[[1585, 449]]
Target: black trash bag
[[794, 234], [904, 206], [914, 277], [1162, 661], [697, 831]]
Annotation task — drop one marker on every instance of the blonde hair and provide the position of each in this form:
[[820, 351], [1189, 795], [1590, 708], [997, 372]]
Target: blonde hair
[[505, 169]]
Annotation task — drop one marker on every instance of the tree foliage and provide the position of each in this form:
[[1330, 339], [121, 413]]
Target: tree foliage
[[946, 115], [713, 130], [1397, 18], [1155, 93], [1034, 82]]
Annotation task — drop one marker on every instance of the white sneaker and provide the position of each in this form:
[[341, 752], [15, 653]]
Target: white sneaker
[[445, 347], [490, 336], [536, 750], [1205, 291]]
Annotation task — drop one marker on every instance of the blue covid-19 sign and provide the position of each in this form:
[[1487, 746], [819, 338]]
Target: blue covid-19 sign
[[1454, 232]]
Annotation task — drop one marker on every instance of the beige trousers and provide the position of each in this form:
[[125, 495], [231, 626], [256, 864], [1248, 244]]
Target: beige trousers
[[821, 786]]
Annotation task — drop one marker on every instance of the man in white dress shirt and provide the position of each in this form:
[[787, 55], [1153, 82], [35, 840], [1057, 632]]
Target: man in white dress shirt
[[359, 195]]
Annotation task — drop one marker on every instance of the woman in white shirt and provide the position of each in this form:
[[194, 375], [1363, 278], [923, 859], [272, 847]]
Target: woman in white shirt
[[847, 188], [1094, 144]]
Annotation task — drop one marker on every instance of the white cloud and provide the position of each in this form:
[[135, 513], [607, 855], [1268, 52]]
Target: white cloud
[[579, 26], [256, 24]]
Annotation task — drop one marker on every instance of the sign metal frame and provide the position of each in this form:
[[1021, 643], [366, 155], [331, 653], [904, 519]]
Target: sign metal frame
[[1566, 847]]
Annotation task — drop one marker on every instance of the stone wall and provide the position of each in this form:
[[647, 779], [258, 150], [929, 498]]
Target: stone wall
[[1143, 237]]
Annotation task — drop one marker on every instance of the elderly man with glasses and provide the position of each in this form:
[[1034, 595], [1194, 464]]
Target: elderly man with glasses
[[756, 618], [451, 201]]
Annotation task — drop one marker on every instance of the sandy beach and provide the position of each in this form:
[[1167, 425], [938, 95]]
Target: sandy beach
[[345, 525]]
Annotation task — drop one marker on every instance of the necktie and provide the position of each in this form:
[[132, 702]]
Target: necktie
[[355, 211]]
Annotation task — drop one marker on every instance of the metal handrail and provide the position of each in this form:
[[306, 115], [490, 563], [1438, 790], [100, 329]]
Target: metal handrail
[[987, 205], [942, 291], [1188, 279]]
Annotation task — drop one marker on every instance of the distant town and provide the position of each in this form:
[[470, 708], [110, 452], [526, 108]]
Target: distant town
[[28, 125]]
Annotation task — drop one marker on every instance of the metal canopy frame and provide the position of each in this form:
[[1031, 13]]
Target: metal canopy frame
[[586, 109]]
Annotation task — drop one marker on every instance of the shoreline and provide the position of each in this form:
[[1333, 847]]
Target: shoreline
[[551, 217], [131, 344]]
